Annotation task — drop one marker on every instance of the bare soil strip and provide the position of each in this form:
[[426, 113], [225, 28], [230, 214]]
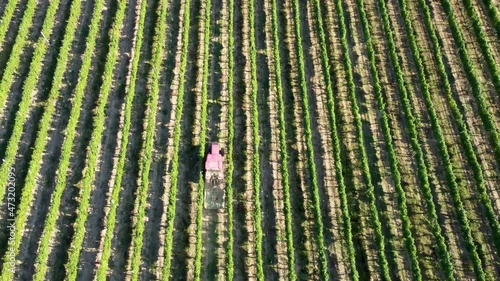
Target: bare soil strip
[[219, 82], [292, 149], [334, 224], [240, 250]]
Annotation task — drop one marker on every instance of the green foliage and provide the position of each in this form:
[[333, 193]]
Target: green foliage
[[283, 148], [95, 139], [465, 138], [230, 139], [483, 42], [41, 47], [412, 126], [147, 153], [465, 135], [337, 154], [203, 134], [310, 149], [8, 12], [129, 99], [493, 13], [17, 49], [379, 236], [394, 164], [256, 144], [482, 103], [43, 250], [177, 135]]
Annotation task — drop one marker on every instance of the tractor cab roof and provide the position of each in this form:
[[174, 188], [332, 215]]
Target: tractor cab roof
[[214, 159]]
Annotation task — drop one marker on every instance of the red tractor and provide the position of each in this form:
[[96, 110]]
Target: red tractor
[[214, 179]]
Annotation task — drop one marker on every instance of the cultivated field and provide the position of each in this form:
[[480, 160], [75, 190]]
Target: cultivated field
[[361, 139]]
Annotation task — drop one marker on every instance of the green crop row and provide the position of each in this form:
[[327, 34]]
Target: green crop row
[[310, 149], [469, 150], [462, 215], [203, 134], [283, 148], [447, 265], [15, 54], [412, 125], [482, 103], [230, 139], [44, 123], [129, 99], [95, 139], [256, 145], [8, 12], [493, 12], [149, 126], [12, 147], [43, 250], [465, 135], [336, 150], [394, 164], [379, 236], [177, 135], [483, 42]]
